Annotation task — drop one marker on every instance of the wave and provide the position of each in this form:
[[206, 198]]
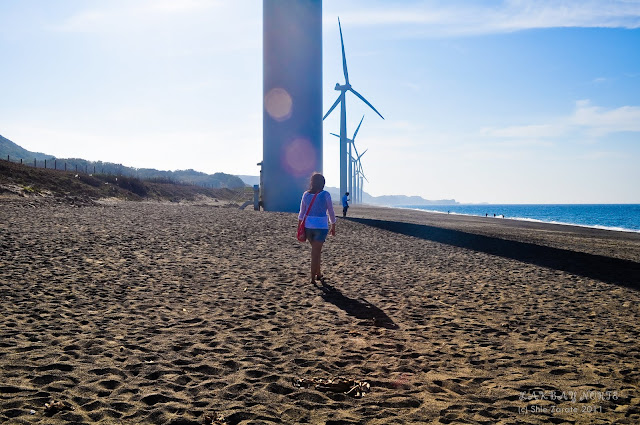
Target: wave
[[588, 226], [533, 220]]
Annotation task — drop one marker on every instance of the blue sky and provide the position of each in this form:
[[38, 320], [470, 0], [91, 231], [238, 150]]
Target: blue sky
[[502, 101]]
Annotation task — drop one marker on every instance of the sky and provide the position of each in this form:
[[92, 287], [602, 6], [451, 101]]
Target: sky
[[512, 101]]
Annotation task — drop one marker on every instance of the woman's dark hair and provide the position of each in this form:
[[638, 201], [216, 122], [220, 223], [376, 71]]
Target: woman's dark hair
[[316, 183]]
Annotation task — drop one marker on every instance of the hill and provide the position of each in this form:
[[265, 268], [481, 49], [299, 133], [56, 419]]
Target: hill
[[385, 200], [250, 180], [27, 181], [404, 200], [8, 148], [15, 153]]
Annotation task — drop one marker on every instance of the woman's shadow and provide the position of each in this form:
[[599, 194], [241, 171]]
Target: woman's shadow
[[360, 309]]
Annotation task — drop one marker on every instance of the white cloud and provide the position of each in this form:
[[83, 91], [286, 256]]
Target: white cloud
[[162, 29], [587, 119], [450, 18], [599, 121], [118, 17]]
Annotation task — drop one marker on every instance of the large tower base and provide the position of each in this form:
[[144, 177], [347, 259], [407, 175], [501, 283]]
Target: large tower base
[[292, 100]]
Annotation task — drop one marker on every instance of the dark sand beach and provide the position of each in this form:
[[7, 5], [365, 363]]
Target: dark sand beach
[[160, 313]]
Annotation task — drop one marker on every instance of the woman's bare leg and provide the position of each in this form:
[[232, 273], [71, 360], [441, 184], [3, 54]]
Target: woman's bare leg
[[316, 253]]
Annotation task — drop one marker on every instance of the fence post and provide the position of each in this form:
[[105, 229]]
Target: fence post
[[20, 161], [76, 168], [65, 166], [34, 163], [45, 164], [8, 158], [94, 169], [55, 164]]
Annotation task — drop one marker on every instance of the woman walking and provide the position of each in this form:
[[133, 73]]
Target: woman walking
[[315, 204]]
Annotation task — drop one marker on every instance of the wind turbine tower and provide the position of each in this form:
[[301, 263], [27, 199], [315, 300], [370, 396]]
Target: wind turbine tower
[[292, 100], [358, 174], [351, 171], [343, 89], [362, 178]]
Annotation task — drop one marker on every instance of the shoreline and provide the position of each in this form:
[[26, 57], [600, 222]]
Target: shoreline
[[534, 220], [579, 238]]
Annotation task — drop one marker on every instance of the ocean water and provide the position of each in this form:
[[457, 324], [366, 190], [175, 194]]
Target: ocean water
[[619, 217]]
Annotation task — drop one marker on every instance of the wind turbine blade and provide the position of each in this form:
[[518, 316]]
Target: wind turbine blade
[[361, 169], [365, 101], [356, 150], [362, 173], [360, 156], [344, 58], [333, 107], [354, 134], [334, 134]]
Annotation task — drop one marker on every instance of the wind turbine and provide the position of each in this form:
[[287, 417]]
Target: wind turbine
[[343, 89], [358, 174], [352, 144], [354, 179], [362, 176]]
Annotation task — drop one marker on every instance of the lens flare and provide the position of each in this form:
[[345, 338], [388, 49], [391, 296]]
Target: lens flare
[[278, 104], [299, 157]]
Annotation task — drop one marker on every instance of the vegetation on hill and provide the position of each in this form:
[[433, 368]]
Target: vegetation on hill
[[23, 180], [14, 153], [8, 148]]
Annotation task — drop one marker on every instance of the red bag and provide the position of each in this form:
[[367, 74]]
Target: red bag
[[302, 236]]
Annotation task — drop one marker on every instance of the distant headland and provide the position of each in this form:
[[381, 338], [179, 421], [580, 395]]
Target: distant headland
[[16, 153], [384, 200]]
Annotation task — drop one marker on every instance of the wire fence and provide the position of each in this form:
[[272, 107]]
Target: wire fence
[[238, 195], [54, 164]]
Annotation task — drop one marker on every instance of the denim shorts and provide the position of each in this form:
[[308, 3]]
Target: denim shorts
[[316, 235]]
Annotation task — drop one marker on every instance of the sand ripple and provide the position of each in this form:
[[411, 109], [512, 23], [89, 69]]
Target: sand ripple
[[177, 314]]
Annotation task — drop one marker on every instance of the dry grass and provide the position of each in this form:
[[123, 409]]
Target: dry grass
[[22, 180]]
